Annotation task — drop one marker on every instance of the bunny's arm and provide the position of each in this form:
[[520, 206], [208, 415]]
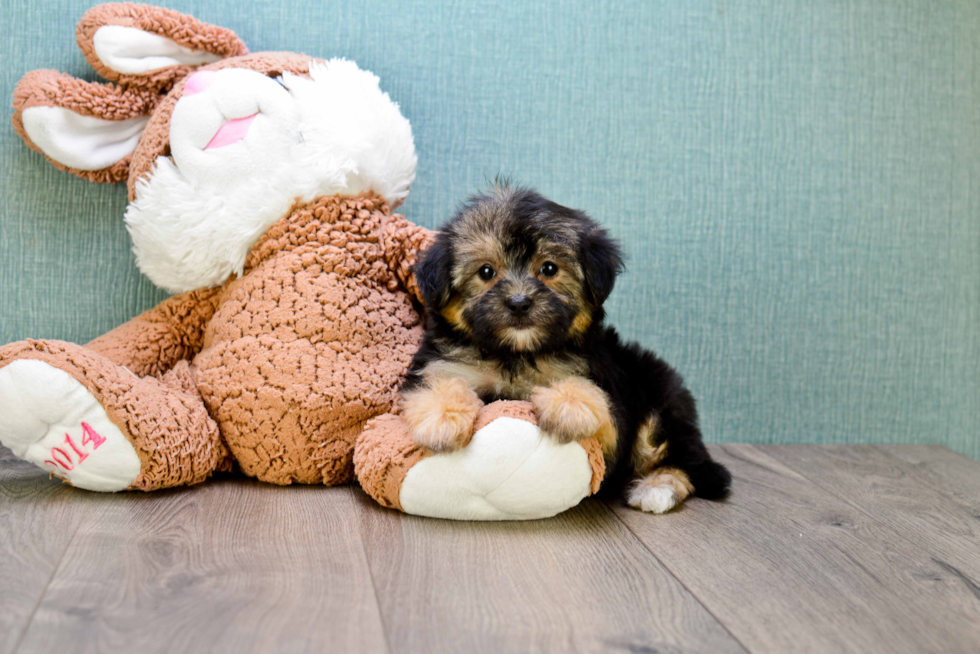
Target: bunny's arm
[[153, 342], [403, 242]]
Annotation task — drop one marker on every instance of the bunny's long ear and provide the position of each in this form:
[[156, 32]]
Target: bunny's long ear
[[81, 127], [142, 46]]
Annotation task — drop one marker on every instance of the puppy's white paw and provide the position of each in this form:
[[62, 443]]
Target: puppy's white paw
[[48, 418], [652, 499]]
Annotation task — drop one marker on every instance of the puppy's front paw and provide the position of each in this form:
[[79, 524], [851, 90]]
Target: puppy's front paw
[[440, 417], [571, 409]]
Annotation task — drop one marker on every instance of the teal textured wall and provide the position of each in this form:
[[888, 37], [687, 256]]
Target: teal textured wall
[[797, 184]]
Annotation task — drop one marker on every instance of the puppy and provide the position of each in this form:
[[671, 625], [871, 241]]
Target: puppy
[[513, 287]]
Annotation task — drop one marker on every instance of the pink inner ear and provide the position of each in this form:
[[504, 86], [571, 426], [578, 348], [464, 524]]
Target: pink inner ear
[[231, 132], [198, 82]]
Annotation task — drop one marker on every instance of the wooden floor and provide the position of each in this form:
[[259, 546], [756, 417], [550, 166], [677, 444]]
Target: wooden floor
[[819, 549]]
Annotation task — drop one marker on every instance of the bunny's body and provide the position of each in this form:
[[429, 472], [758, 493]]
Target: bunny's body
[[260, 190], [276, 370]]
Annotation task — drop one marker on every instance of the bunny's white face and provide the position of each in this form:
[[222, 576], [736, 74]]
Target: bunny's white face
[[244, 147], [231, 123]]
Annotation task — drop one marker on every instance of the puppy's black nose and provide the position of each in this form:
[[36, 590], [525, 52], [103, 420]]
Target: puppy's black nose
[[518, 304]]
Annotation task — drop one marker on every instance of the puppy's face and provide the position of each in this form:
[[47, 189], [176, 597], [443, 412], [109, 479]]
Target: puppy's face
[[516, 273]]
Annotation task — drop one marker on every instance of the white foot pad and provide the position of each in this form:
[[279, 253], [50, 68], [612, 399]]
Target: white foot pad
[[511, 470], [48, 418], [652, 499]]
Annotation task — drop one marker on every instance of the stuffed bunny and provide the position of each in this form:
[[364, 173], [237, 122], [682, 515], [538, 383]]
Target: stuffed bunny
[[260, 189], [260, 193]]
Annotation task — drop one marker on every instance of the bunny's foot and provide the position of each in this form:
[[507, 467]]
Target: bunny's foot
[[77, 415], [48, 418]]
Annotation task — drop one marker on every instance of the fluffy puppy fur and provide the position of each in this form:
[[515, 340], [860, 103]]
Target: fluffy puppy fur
[[514, 286]]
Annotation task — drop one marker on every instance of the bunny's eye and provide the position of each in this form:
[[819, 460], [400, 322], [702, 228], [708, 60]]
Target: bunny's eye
[[486, 273]]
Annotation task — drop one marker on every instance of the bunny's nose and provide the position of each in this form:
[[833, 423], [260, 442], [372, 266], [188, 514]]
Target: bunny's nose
[[198, 82]]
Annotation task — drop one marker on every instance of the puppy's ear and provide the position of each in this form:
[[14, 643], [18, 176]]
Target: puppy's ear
[[602, 261], [433, 273]]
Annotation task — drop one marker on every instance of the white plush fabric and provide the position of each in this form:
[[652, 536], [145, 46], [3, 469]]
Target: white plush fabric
[[197, 215], [132, 51], [42, 407], [510, 470], [82, 142]]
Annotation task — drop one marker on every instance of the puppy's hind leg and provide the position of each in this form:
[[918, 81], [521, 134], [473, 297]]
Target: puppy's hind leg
[[659, 491], [671, 461]]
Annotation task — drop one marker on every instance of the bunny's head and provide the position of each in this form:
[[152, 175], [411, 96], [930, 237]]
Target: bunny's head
[[215, 144]]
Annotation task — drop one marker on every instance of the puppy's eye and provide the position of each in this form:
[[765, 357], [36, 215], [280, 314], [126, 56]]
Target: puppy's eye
[[486, 273], [549, 269]]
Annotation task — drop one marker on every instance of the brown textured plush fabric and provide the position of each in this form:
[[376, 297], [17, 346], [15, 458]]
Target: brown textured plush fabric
[[312, 341], [383, 456], [594, 449], [279, 369], [505, 409], [184, 30], [153, 342], [385, 452]]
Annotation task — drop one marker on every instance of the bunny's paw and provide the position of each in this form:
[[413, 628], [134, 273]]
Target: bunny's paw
[[49, 418]]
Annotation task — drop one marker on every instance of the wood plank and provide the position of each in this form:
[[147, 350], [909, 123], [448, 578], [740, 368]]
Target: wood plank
[[577, 582], [230, 565], [7, 456], [890, 490], [38, 518], [786, 566], [955, 475]]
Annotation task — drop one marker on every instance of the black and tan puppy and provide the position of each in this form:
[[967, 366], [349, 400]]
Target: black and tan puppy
[[514, 286]]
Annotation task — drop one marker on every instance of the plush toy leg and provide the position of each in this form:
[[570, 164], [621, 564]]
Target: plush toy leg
[[74, 413], [510, 470]]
